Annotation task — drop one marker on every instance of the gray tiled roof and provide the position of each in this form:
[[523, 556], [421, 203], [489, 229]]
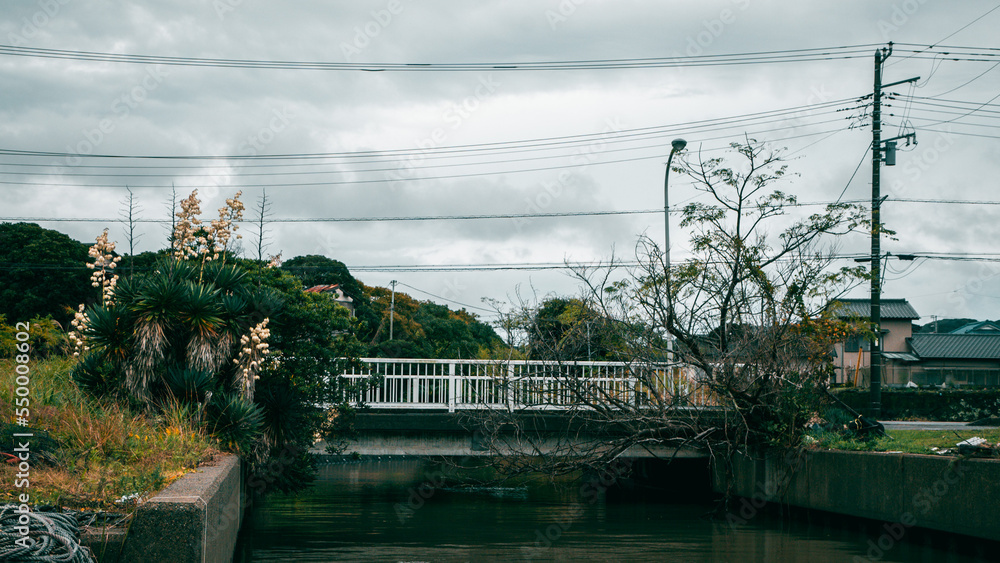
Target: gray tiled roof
[[956, 346], [892, 309], [901, 356], [980, 327]]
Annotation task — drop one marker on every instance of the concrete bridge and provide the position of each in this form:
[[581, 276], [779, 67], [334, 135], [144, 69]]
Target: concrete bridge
[[436, 407]]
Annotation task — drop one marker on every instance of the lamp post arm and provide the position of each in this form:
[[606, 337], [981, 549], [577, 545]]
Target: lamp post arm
[[666, 215], [666, 253]]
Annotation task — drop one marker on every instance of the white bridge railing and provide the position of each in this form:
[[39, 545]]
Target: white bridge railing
[[476, 384]]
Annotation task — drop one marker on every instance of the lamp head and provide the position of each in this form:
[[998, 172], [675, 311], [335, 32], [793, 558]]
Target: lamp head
[[678, 144]]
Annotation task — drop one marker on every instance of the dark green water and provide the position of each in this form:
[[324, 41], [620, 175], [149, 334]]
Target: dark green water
[[373, 511]]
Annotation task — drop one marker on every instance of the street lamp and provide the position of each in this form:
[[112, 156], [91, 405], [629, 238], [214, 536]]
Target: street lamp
[[677, 146]]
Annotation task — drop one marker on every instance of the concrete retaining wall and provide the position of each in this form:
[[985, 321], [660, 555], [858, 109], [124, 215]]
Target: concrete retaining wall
[[934, 492], [194, 520]]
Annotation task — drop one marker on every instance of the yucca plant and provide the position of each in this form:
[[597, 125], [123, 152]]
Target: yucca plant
[[288, 413], [236, 422], [188, 385], [227, 278], [98, 376], [107, 330], [200, 314], [179, 314], [156, 307]]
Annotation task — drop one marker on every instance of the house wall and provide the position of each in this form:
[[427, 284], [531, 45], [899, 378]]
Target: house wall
[[896, 333], [895, 338], [846, 363]]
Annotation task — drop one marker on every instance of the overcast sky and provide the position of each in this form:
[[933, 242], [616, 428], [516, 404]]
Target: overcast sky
[[403, 122]]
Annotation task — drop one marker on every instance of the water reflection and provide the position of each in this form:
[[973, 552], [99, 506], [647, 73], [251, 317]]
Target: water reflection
[[407, 510]]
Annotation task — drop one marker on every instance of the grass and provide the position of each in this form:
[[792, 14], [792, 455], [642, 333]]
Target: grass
[[907, 441], [99, 452]]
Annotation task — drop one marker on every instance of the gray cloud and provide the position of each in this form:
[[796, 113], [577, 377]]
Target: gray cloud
[[49, 105]]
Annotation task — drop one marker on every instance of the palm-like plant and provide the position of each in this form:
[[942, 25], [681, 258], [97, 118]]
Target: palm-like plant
[[155, 307], [200, 315], [193, 331], [180, 316]]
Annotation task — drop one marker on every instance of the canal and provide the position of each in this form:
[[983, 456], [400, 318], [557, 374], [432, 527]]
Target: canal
[[407, 510]]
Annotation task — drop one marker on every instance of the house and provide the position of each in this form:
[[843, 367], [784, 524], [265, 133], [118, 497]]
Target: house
[[853, 357], [969, 355], [335, 291], [956, 358]]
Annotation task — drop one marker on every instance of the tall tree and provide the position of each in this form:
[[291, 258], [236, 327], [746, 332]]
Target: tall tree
[[424, 329], [744, 314], [42, 273], [171, 206], [314, 270], [261, 215], [129, 215]]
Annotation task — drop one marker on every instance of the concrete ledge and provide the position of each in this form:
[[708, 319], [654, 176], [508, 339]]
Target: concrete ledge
[[194, 520], [933, 492]]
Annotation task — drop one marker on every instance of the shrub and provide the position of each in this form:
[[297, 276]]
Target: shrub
[[235, 421], [45, 337]]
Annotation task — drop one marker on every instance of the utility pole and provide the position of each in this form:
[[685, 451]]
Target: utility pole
[[875, 386], [392, 306], [876, 265]]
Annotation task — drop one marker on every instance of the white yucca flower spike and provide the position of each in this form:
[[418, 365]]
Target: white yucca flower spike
[[102, 251]]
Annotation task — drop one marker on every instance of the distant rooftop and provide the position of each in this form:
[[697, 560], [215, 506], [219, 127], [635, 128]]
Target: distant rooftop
[[333, 289], [981, 327], [323, 288], [931, 346], [892, 309]]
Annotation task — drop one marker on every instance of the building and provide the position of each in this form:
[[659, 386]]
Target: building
[[335, 291], [853, 357], [966, 358], [969, 355]]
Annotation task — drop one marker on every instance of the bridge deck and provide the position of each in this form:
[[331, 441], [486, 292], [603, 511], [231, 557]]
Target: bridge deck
[[456, 435]]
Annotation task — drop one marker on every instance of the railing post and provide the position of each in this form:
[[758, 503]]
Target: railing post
[[413, 382], [510, 386], [452, 387]]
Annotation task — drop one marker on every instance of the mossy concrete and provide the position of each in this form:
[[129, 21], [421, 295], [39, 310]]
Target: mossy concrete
[[933, 492], [194, 520]]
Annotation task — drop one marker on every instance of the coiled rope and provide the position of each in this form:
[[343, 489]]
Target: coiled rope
[[52, 536]]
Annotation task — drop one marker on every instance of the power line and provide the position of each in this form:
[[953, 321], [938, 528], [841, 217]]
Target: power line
[[962, 133], [446, 299], [500, 147], [760, 57], [389, 180], [529, 266], [949, 36], [366, 219], [395, 168], [542, 215], [964, 84], [855, 173]]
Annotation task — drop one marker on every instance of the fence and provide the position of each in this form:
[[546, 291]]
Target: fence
[[475, 384], [953, 376]]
